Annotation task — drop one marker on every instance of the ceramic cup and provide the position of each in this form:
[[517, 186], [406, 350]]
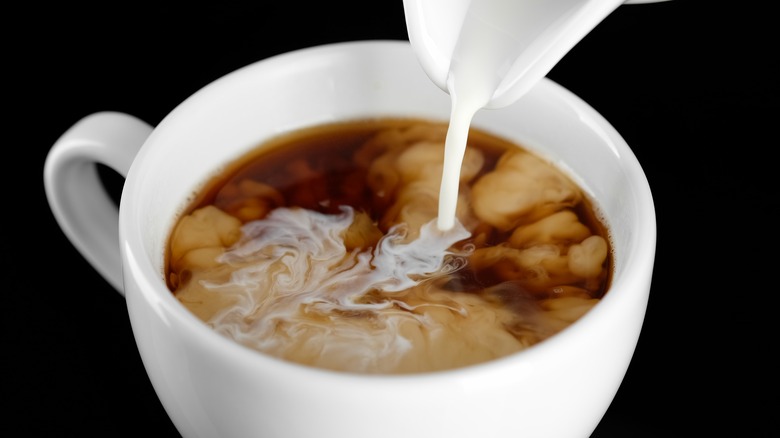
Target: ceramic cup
[[213, 387]]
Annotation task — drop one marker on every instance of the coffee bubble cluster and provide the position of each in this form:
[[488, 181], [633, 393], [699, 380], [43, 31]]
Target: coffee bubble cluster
[[355, 276]]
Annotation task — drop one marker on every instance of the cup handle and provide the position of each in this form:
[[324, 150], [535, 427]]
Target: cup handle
[[78, 199]]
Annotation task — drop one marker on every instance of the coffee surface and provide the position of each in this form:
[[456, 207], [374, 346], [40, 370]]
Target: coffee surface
[[322, 248]]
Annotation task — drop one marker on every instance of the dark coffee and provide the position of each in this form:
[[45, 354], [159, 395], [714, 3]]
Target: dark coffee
[[321, 248]]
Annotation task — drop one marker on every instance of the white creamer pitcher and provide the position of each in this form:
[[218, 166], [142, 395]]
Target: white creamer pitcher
[[505, 46]]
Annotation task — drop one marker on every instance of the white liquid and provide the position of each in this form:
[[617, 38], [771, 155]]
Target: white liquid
[[474, 76], [503, 48], [465, 104], [471, 83]]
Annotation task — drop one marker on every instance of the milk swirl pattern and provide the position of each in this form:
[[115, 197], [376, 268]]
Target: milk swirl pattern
[[324, 250]]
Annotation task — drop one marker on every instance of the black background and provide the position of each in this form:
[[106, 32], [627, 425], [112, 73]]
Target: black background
[[691, 86]]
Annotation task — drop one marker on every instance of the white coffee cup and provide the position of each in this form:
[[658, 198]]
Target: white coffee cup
[[212, 387]]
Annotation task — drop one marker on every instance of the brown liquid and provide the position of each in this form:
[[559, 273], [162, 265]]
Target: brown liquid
[[321, 248]]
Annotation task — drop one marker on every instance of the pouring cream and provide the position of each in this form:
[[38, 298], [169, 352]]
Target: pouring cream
[[487, 54]]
